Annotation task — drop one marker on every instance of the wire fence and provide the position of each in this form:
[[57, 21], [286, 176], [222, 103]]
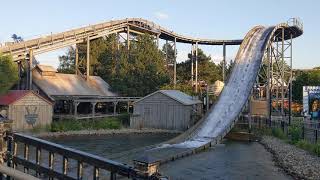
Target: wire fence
[[307, 129]]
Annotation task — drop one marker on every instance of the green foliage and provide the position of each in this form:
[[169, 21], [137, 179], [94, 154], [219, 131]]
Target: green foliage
[[208, 71], [295, 131], [8, 73], [278, 132], [316, 148], [311, 78], [303, 144], [67, 62], [87, 124]]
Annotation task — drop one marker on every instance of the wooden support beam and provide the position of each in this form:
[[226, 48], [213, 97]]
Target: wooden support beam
[[88, 59], [175, 64], [76, 60], [196, 58]]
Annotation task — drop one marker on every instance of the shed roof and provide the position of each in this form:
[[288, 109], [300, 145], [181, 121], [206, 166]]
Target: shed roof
[[46, 68], [13, 96], [72, 85], [176, 95]]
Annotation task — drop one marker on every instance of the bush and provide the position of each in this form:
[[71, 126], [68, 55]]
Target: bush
[[303, 144], [85, 124], [295, 131], [278, 132], [316, 148]]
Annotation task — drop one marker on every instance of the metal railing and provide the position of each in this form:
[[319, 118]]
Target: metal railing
[[295, 22], [53, 167]]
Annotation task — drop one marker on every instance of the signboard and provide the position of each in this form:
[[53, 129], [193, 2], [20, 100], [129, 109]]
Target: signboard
[[31, 117], [306, 93]]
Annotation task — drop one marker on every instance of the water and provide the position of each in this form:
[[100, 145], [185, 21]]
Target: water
[[230, 160], [108, 145]]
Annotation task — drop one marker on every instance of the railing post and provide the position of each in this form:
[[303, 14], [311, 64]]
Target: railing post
[[113, 175]]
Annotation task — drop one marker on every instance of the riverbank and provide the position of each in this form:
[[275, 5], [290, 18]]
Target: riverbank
[[102, 132], [297, 162]]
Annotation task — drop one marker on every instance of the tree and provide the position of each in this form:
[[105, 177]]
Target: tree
[[309, 78], [208, 71], [136, 72], [16, 38], [8, 73], [67, 61]]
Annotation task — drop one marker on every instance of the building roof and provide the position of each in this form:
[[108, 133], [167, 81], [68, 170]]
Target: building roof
[[13, 96], [71, 85], [46, 68], [176, 95]]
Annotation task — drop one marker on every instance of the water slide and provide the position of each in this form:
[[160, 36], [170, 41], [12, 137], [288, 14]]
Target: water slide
[[220, 119]]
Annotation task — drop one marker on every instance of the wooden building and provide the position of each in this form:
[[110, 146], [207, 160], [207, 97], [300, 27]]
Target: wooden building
[[166, 109], [26, 109]]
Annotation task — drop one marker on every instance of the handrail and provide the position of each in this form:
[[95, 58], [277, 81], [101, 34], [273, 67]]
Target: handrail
[[59, 40], [67, 153]]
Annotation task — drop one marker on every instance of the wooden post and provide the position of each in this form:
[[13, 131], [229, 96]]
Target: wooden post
[[175, 64], [115, 107], [192, 54], [224, 63], [76, 109], [30, 68], [93, 108], [196, 67], [76, 60], [128, 107], [88, 59]]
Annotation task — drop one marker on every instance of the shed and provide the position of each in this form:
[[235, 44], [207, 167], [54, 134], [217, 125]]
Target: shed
[[26, 109], [166, 109]]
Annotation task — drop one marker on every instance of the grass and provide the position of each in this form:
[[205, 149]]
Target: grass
[[65, 125], [86, 124], [293, 137]]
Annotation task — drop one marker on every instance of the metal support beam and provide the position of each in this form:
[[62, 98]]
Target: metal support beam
[[88, 59], [76, 60], [224, 63], [282, 72], [196, 56], [290, 83], [175, 64]]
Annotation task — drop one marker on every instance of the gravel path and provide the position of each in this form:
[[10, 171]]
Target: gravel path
[[296, 162], [103, 132]]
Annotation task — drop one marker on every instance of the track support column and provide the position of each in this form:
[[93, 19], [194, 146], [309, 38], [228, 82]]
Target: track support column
[[76, 60], [30, 69], [88, 59], [191, 59], [224, 63], [196, 56], [175, 64]]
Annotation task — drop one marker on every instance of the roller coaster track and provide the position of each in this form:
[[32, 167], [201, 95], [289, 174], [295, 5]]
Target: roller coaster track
[[135, 25]]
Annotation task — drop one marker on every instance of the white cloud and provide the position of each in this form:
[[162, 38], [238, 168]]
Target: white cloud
[[161, 15]]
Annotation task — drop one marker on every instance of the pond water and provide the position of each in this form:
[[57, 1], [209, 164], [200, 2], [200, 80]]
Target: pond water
[[229, 160]]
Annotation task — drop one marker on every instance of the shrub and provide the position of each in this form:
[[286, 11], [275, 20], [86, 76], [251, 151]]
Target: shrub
[[295, 131], [316, 148], [303, 144], [278, 132]]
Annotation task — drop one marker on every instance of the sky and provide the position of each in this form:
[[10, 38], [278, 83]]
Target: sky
[[216, 19]]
